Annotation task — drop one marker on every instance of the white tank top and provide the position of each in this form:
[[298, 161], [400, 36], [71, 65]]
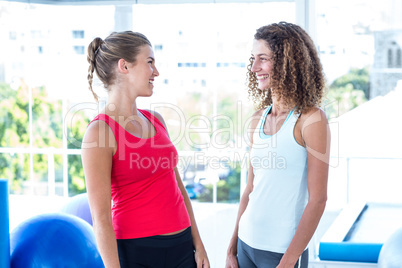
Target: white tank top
[[280, 195]]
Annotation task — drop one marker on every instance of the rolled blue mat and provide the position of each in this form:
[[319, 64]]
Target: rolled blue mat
[[4, 225], [349, 251]]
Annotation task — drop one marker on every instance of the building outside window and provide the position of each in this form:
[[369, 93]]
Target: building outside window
[[78, 34], [79, 50]]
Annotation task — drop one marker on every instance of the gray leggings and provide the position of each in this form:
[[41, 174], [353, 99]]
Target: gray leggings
[[249, 257]]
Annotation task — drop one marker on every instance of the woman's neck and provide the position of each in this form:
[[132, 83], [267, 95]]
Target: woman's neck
[[278, 108], [120, 105]]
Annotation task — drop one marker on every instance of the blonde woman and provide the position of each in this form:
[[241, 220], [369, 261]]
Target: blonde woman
[[129, 159]]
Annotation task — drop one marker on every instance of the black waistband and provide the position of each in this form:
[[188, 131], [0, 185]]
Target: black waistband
[[159, 241]]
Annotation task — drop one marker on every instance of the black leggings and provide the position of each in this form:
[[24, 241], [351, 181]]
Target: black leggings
[[161, 251]]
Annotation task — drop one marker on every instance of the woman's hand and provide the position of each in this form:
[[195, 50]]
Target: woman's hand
[[231, 261], [287, 265], [201, 259]]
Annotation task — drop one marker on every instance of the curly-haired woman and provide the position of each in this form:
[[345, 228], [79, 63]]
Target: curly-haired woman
[[286, 190]]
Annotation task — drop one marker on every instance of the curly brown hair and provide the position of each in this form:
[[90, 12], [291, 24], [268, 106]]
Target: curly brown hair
[[297, 78]]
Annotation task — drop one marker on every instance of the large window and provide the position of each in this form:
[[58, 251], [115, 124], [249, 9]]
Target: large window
[[42, 73], [359, 43], [201, 50]]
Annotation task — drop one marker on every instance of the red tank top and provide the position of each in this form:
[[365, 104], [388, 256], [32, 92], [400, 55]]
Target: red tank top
[[146, 198]]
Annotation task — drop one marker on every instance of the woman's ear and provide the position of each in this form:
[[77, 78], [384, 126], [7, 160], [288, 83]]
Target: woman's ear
[[122, 66]]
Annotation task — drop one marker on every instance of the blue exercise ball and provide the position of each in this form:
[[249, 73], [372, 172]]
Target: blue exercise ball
[[78, 206], [54, 240], [391, 252]]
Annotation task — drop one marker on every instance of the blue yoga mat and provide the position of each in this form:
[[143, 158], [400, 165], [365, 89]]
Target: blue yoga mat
[[4, 225]]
